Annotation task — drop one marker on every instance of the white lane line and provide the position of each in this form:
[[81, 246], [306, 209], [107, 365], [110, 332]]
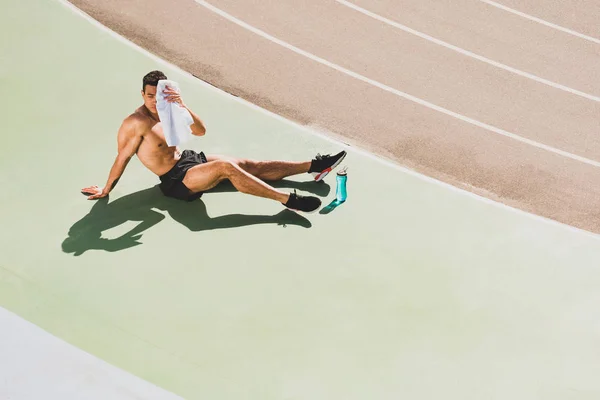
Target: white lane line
[[395, 91], [466, 52], [541, 21]]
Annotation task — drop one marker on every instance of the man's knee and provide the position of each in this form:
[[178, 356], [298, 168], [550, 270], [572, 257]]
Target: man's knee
[[251, 166], [227, 167]]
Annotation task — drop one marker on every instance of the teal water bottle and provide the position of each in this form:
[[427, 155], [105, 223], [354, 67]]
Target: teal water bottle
[[341, 192]]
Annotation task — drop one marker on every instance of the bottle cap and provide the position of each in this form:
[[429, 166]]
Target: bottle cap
[[343, 171]]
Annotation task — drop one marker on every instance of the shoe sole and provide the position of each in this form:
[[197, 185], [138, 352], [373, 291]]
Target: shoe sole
[[319, 176], [303, 212]]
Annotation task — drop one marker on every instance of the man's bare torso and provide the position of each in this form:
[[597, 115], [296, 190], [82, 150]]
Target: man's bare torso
[[153, 150]]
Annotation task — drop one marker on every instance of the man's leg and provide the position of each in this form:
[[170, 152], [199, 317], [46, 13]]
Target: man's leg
[[206, 176], [266, 170], [203, 177], [276, 170]]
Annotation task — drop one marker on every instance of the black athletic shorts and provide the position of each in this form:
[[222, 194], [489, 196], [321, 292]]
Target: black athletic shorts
[[171, 183]]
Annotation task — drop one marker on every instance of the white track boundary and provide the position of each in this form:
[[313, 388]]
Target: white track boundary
[[467, 52], [541, 21], [325, 137], [397, 92]]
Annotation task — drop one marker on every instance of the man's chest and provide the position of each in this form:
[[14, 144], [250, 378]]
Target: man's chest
[[155, 136]]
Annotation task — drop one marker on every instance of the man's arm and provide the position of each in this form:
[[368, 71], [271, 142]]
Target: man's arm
[[198, 128], [128, 141]]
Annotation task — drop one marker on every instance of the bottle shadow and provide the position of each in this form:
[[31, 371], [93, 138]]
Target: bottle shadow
[[142, 206], [331, 206]]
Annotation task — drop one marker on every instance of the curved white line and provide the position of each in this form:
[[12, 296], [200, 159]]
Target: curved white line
[[541, 21], [467, 53], [392, 90]]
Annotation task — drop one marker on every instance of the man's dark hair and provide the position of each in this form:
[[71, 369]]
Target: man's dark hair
[[152, 78]]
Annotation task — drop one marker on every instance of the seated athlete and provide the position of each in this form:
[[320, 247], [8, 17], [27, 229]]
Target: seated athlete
[[186, 175]]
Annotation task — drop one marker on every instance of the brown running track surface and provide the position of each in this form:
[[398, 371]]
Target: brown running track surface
[[451, 150]]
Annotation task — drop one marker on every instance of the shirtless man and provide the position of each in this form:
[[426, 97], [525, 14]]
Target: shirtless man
[[187, 175]]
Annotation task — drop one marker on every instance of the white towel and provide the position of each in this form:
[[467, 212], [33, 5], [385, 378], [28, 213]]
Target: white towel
[[175, 119]]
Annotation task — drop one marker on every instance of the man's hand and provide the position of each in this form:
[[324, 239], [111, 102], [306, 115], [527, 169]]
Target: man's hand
[[198, 128], [94, 192], [172, 96]]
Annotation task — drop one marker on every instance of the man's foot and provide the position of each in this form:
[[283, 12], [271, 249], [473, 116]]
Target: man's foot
[[322, 165], [307, 204]]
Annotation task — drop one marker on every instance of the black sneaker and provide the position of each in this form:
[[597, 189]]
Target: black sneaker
[[307, 204], [322, 165]]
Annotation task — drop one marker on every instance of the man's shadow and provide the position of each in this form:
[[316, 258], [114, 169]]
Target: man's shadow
[[86, 234]]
